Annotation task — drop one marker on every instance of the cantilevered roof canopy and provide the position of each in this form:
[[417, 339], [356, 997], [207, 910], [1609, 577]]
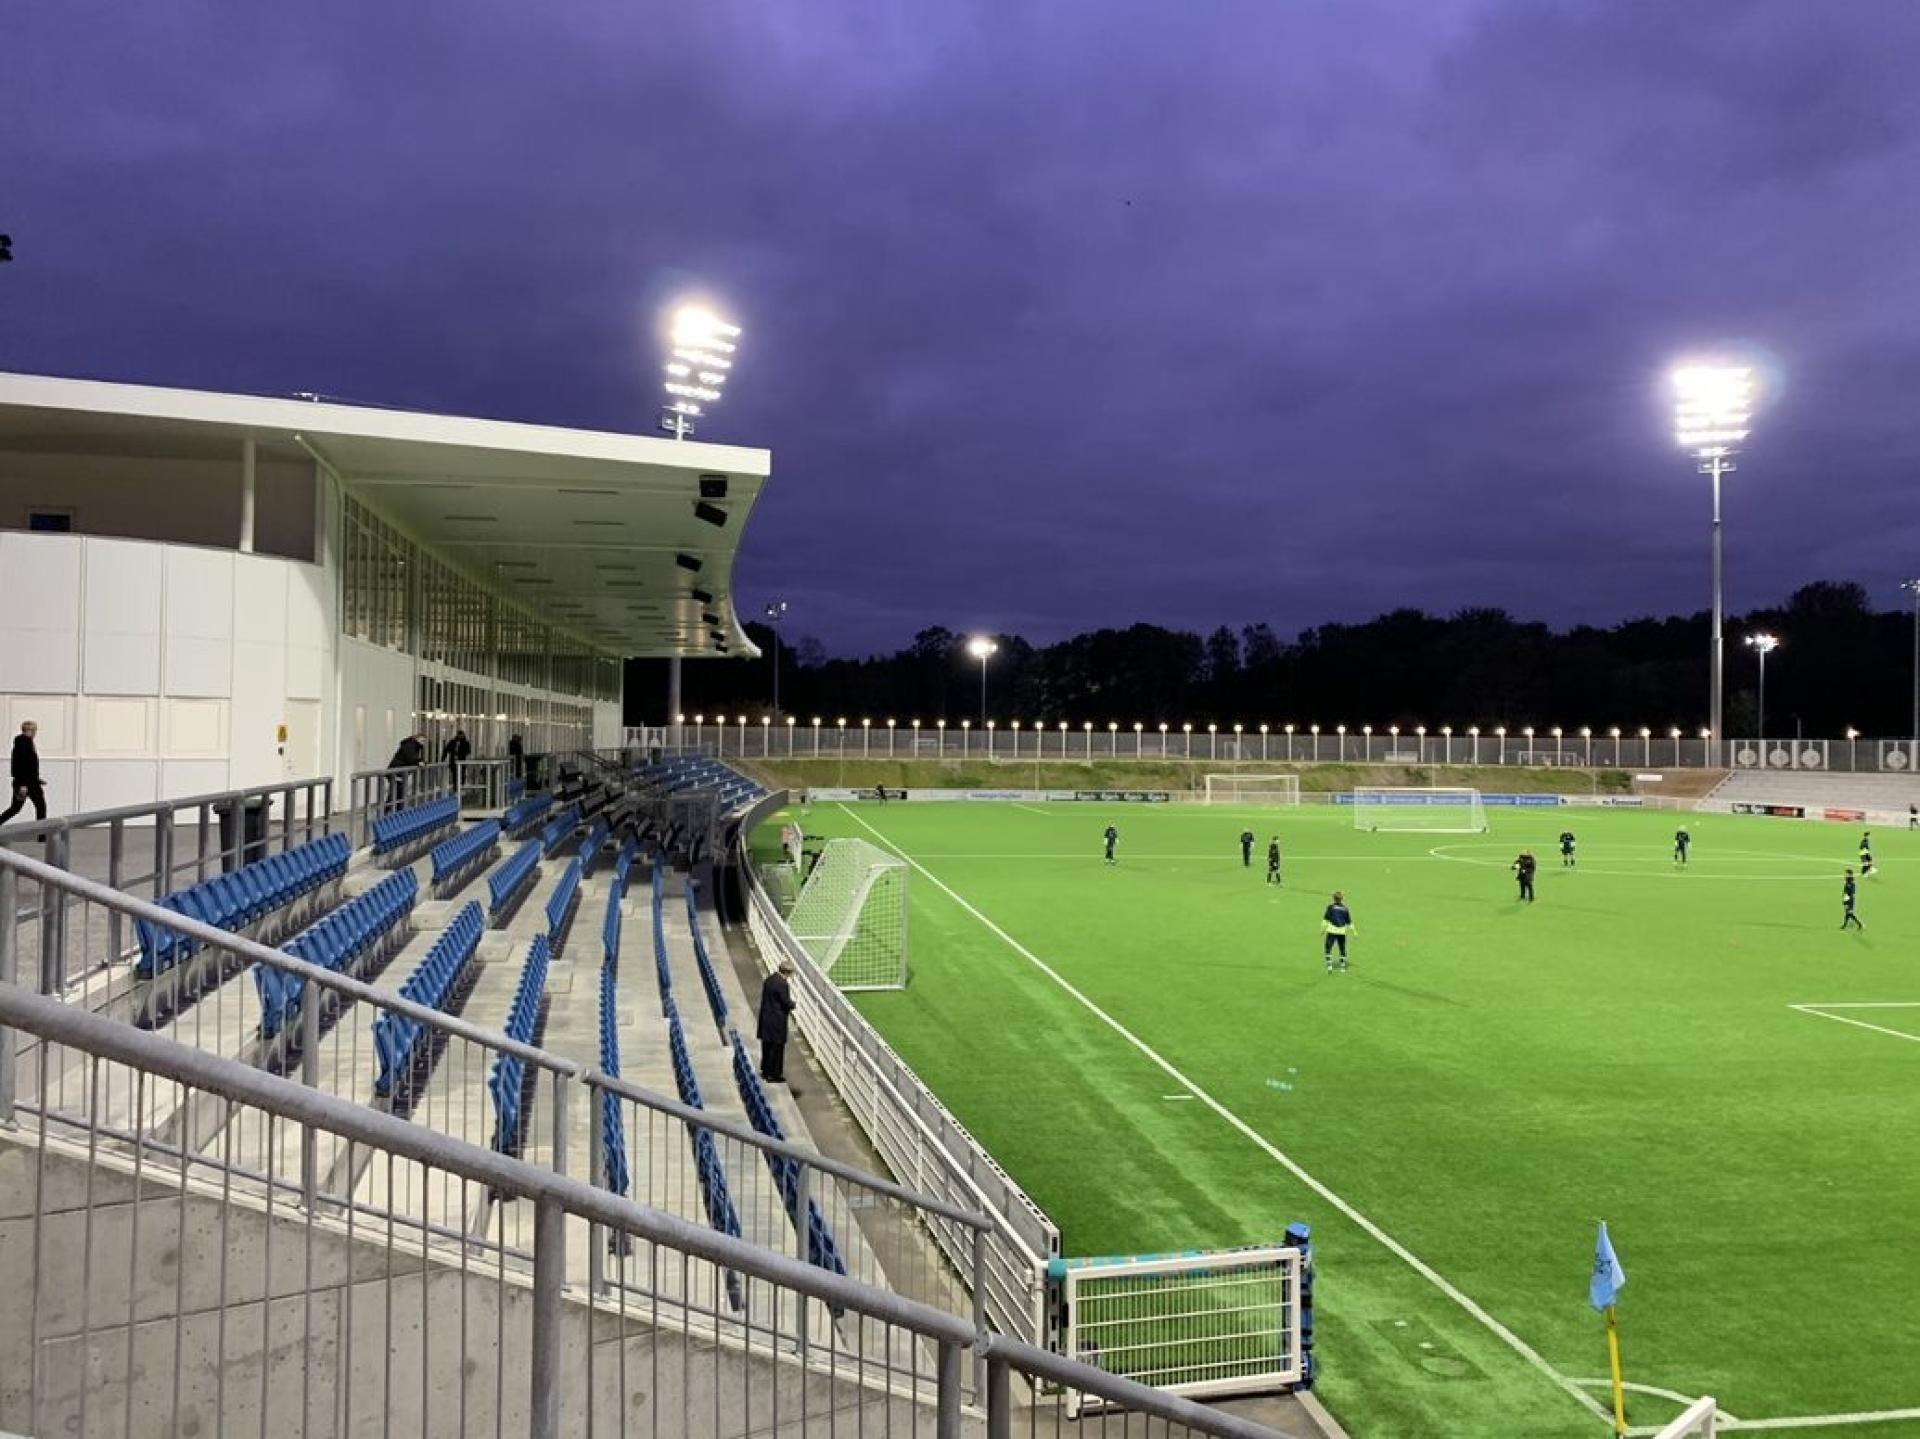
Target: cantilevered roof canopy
[[598, 533]]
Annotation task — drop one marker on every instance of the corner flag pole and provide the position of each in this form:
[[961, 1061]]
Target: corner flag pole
[[1619, 1385]]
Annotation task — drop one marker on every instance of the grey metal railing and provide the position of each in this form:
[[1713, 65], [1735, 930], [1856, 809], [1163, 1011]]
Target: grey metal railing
[[159, 1289], [375, 792], [153, 849]]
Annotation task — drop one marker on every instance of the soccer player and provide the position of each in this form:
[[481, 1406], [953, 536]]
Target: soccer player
[[1112, 838], [1849, 895], [1567, 860], [1913, 816], [1866, 853], [1336, 924], [1681, 841], [1273, 860], [1523, 868], [1246, 848]]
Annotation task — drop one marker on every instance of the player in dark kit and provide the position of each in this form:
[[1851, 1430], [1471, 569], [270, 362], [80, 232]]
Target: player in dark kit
[[1567, 860], [1273, 860], [1246, 848], [1336, 924], [1866, 853], [1849, 896], [1681, 840], [1523, 869], [1112, 838]]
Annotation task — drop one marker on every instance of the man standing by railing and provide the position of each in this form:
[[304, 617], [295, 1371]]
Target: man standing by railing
[[25, 771], [776, 1003], [411, 754], [453, 752]]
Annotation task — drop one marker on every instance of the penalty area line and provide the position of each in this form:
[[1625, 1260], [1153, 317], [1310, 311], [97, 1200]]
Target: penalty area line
[[1393, 1246], [1819, 1013]]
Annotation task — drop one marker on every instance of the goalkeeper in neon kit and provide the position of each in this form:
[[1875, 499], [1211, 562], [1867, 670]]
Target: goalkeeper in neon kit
[[1336, 925], [1567, 861]]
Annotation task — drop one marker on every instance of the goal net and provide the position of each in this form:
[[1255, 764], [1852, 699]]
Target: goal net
[[1253, 789], [851, 916], [1420, 811]]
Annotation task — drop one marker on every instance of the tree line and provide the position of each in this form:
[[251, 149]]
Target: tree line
[[1840, 664]]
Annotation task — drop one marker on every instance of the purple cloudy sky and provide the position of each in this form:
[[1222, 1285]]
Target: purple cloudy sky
[[1060, 312]]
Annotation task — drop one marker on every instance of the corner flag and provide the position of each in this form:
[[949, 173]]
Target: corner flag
[[1608, 1276]]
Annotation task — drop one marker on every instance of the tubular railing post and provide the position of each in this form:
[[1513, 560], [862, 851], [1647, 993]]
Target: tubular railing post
[[982, 1374], [597, 1176], [310, 1076], [116, 871], [947, 1420], [163, 853], [999, 1400], [549, 1269], [9, 974], [53, 919], [559, 1124]]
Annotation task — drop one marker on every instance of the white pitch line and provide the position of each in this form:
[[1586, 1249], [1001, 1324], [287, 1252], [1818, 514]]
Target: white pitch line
[[1859, 1004], [1393, 1246], [1824, 1421], [1035, 809], [1842, 1019]]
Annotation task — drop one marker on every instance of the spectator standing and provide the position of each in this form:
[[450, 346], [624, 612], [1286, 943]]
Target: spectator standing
[[776, 1003], [25, 771]]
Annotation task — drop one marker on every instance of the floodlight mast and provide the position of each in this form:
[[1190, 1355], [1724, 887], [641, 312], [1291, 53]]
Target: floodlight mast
[[1712, 407], [700, 352], [1763, 645], [1913, 587], [775, 613]]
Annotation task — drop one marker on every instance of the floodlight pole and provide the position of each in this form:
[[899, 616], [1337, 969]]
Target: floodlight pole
[[1914, 587], [1717, 465]]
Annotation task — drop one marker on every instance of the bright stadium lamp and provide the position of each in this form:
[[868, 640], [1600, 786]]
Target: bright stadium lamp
[[1763, 645], [982, 649], [700, 350], [1712, 408]]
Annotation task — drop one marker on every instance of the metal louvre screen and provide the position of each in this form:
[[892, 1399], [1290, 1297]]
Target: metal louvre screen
[[1211, 1323], [851, 916], [1253, 789], [1420, 811]]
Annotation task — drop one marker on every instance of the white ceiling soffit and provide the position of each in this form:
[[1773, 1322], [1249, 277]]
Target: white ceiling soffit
[[596, 532]]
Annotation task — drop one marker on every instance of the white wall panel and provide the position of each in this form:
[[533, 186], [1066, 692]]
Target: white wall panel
[[56, 777], [198, 646], [54, 715], [184, 778], [109, 783], [259, 709], [195, 728], [260, 599], [117, 726], [124, 591], [40, 612]]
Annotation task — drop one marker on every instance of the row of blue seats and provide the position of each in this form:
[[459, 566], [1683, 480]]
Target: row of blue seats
[[234, 901], [508, 1081], [709, 1172], [524, 813], [560, 905], [515, 788], [709, 980], [406, 827], [613, 1128], [822, 1251], [559, 829], [623, 865], [397, 1038], [660, 937], [610, 930], [509, 882], [455, 860], [597, 836], [366, 925]]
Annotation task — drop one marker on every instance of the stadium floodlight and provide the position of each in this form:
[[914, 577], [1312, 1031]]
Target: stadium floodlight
[[1913, 588], [983, 649], [1763, 645], [700, 352], [1713, 405]]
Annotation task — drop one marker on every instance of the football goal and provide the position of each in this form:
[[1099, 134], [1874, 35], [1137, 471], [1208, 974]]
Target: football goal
[[851, 915], [1420, 811], [1253, 789]]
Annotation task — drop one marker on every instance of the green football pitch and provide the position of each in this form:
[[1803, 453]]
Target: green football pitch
[[1700, 1056]]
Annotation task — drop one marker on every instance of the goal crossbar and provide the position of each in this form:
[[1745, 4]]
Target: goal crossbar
[[851, 915], [1245, 788], [1419, 810]]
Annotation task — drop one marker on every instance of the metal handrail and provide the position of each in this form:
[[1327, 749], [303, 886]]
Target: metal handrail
[[34, 828], [558, 1195]]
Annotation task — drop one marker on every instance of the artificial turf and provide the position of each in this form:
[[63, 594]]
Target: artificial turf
[[1487, 1081]]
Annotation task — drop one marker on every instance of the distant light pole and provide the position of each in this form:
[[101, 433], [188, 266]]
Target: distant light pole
[[774, 613], [1712, 407], [982, 649], [1913, 587], [1763, 645]]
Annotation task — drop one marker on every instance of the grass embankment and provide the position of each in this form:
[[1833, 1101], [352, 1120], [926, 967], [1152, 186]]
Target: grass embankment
[[1188, 776]]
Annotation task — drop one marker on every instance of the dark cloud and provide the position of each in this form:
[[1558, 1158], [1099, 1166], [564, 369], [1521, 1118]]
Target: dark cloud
[[1058, 315]]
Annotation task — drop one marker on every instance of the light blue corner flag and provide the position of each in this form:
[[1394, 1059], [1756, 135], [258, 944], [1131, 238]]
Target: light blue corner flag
[[1608, 1276]]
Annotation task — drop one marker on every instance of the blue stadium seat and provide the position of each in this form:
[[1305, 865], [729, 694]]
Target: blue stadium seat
[[405, 829], [237, 901], [822, 1251], [455, 860], [525, 813], [559, 829], [507, 1082], [709, 978], [560, 905], [366, 925], [509, 882], [400, 1041]]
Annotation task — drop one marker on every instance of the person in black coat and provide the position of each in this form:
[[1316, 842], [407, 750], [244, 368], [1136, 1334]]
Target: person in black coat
[[776, 1003], [453, 752], [411, 754], [517, 757], [25, 771]]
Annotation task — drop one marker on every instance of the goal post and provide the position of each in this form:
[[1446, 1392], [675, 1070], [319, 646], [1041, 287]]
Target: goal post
[[1419, 811], [851, 915], [1253, 789]]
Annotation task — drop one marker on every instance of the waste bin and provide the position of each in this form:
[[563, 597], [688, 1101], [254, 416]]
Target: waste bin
[[243, 831]]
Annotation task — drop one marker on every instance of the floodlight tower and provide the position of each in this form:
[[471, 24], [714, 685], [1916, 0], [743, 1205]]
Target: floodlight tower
[[776, 612], [699, 358], [1763, 645], [982, 649], [1913, 587], [1712, 406]]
